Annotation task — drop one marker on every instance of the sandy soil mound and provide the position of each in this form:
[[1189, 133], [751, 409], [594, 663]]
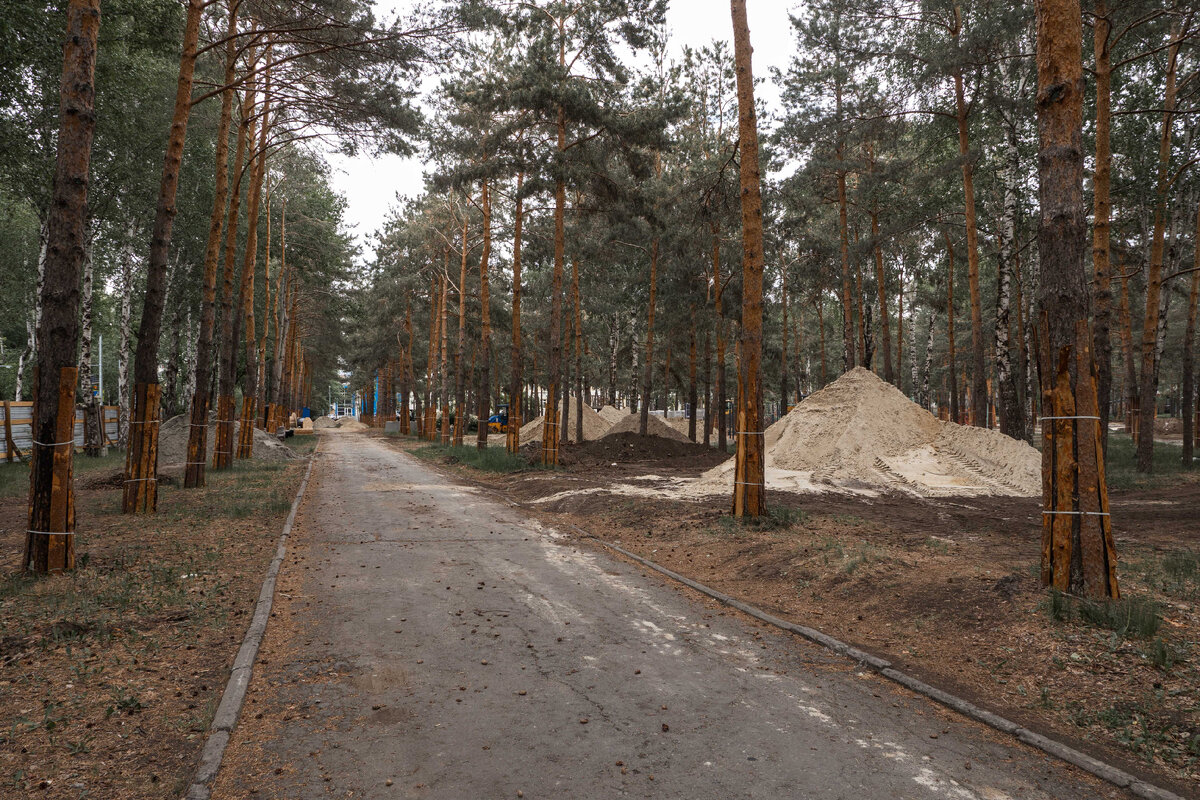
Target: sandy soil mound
[[320, 423], [861, 434], [173, 438], [654, 427], [681, 424], [612, 415], [594, 426], [350, 424]]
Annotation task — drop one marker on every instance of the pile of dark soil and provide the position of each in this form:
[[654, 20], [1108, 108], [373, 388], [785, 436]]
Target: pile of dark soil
[[633, 447]]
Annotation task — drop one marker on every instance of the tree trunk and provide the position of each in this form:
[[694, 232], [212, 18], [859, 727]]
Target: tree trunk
[[647, 368], [954, 415], [722, 442], [578, 352], [485, 321], [749, 488], [197, 451], [885, 330], [223, 446], [550, 432], [85, 319], [141, 483], [126, 336], [783, 360], [1078, 555], [444, 367], [245, 447], [1012, 417], [1188, 384], [1148, 380], [49, 539], [1102, 214], [515, 409], [821, 328], [34, 320], [692, 375], [900, 334], [460, 384]]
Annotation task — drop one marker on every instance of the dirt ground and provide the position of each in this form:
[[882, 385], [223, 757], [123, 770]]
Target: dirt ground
[[109, 676], [946, 589]]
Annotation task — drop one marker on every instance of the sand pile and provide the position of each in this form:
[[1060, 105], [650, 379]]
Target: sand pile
[[861, 434], [173, 439], [350, 424], [681, 424], [321, 423], [655, 426], [594, 426], [612, 415]]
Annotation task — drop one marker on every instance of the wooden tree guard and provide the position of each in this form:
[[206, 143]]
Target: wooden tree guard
[[50, 537], [141, 459], [223, 446], [1078, 553], [245, 446], [193, 474]]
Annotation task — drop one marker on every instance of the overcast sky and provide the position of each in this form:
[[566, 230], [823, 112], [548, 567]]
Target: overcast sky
[[371, 185]]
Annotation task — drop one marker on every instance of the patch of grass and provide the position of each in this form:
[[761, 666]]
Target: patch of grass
[[302, 444], [1161, 655], [778, 518], [1120, 465], [489, 459], [1129, 617]]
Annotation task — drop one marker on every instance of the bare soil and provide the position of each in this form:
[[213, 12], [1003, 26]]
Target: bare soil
[[110, 675], [945, 588]]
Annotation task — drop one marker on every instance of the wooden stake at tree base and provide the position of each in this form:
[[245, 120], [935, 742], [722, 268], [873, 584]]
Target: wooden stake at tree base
[[50, 537], [141, 462], [9, 447], [245, 446], [223, 446]]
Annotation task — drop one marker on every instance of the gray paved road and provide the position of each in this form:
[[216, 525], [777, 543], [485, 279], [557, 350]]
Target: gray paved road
[[444, 642]]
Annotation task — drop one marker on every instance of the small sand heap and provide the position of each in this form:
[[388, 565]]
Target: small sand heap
[[321, 423], [350, 424], [173, 441], [862, 434], [612, 415], [594, 425], [655, 426]]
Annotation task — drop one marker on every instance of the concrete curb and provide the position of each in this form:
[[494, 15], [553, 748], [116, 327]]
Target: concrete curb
[[243, 666], [1083, 761]]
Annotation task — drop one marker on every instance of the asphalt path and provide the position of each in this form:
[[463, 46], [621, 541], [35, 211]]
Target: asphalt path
[[441, 644]]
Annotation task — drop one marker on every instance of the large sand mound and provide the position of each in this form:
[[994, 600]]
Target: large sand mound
[[173, 439], [860, 433], [594, 425], [612, 415], [655, 426], [350, 424]]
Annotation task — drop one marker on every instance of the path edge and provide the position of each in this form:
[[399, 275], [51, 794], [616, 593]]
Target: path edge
[[234, 696], [1100, 769]]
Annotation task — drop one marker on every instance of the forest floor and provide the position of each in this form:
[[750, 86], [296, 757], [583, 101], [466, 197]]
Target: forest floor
[[110, 675], [946, 589]]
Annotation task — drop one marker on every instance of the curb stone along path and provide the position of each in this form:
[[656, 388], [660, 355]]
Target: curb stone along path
[[1100, 769], [243, 666]]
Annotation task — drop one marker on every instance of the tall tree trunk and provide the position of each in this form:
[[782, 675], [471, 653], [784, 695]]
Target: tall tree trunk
[[141, 481], [223, 446], [197, 451], [1012, 417], [126, 336], [1148, 380], [550, 432], [926, 393], [783, 359], [1188, 384], [485, 321], [578, 352], [444, 367], [515, 409], [647, 368], [1078, 555], [49, 539], [719, 284], [1102, 215], [900, 334], [954, 411], [692, 375], [245, 447], [821, 328], [85, 319], [749, 487], [885, 330], [460, 384], [34, 320], [708, 390]]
